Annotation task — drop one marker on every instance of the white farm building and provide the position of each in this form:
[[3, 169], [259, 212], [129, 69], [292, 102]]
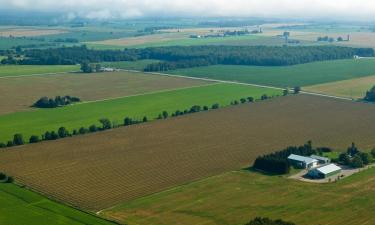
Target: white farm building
[[302, 161], [324, 171]]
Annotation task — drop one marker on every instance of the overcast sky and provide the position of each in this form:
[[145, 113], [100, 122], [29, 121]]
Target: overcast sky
[[106, 9]]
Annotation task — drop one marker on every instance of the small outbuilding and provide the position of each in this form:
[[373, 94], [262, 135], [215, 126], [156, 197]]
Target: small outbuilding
[[324, 171], [321, 159], [302, 161]]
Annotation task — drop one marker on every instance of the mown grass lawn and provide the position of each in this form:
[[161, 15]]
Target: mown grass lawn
[[39, 121], [19, 70], [286, 76], [21, 206], [237, 197]]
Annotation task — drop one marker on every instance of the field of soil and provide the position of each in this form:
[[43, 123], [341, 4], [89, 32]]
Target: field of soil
[[101, 170], [353, 88], [19, 93], [23, 32]]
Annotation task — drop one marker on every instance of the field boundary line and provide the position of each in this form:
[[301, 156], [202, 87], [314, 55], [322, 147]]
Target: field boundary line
[[241, 83], [38, 74]]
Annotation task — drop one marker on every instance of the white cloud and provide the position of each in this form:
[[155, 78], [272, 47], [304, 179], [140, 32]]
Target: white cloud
[[104, 9]]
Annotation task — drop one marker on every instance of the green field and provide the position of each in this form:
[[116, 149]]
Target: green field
[[297, 75], [182, 42], [20, 70], [38, 121], [237, 197], [130, 65], [21, 206]]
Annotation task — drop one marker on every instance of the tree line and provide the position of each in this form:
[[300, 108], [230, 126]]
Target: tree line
[[175, 57], [45, 102], [267, 221], [278, 163], [106, 124], [194, 56]]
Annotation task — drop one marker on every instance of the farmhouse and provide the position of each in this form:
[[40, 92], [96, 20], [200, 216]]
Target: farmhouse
[[302, 161], [321, 159], [324, 171]]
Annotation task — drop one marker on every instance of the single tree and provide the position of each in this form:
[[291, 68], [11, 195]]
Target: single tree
[[165, 114], [18, 139], [285, 92], [63, 132], [93, 128], [34, 139], [106, 123], [144, 119], [297, 90], [357, 162]]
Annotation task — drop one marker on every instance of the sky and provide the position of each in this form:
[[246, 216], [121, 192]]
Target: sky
[[110, 9]]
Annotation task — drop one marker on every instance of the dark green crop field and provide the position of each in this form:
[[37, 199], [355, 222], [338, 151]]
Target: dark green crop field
[[298, 75]]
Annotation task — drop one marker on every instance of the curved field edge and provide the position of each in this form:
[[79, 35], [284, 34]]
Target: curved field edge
[[37, 122], [22, 206], [23, 70], [237, 197], [286, 76]]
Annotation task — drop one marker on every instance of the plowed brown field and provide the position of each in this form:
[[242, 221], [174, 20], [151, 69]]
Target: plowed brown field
[[101, 170]]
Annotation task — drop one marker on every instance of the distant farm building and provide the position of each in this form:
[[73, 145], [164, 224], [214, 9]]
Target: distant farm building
[[302, 161], [324, 171], [321, 159]]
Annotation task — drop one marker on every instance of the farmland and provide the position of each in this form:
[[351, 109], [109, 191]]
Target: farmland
[[297, 75], [21, 206], [237, 197], [183, 149], [353, 88], [22, 32], [169, 40], [22, 70], [19, 93], [37, 122]]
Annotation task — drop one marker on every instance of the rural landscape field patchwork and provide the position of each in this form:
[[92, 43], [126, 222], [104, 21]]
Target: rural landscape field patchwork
[[138, 114]]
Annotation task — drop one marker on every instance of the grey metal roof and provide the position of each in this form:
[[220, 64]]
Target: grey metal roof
[[304, 159], [319, 157], [328, 168]]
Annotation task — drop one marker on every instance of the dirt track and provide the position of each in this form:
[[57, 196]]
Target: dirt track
[[100, 170]]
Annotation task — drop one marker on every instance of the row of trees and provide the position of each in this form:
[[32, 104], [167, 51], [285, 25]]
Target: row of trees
[[355, 158], [193, 56], [267, 221], [278, 163], [45, 102], [174, 57], [106, 124]]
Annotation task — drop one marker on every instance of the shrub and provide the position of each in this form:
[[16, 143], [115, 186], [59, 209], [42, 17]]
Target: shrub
[[34, 139], [106, 123], [205, 108], [165, 114], [297, 90], [250, 99], [242, 100], [63, 132], [93, 128], [2, 145], [215, 106], [83, 130], [18, 139], [144, 119], [127, 121], [10, 144]]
